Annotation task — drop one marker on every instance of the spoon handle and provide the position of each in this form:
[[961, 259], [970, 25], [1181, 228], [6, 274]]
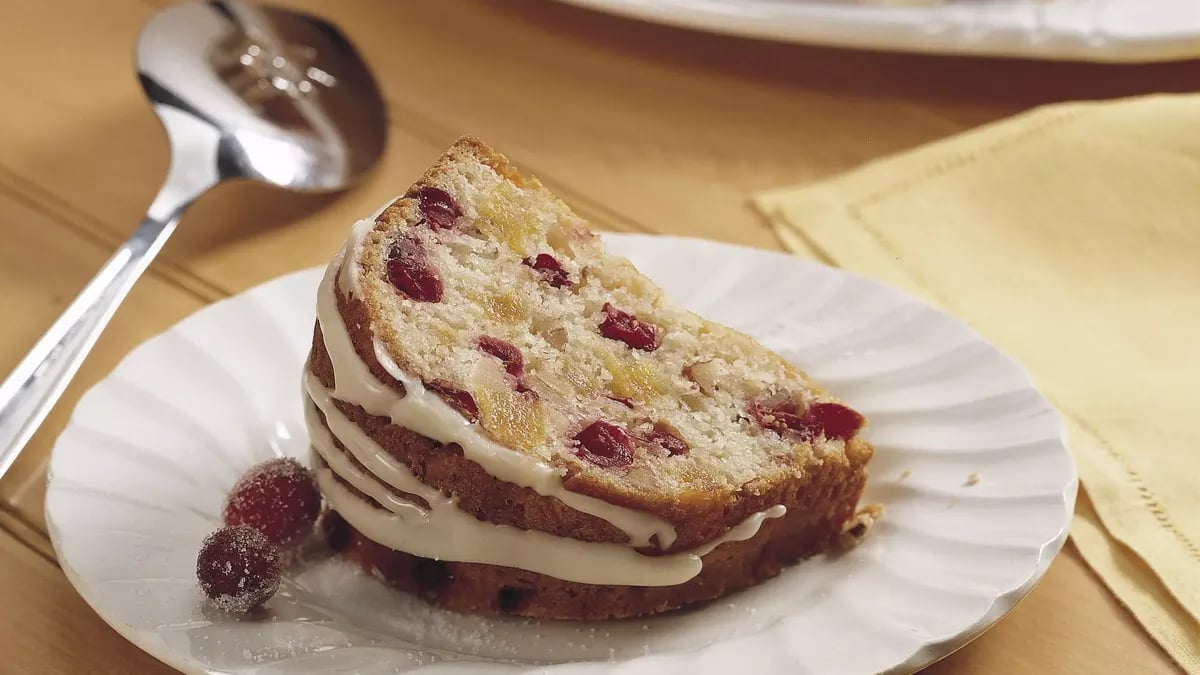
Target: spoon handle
[[32, 389]]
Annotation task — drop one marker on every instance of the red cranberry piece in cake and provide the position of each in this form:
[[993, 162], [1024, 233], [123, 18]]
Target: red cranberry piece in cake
[[780, 417], [605, 444], [666, 438], [511, 598], [408, 269], [508, 353], [431, 575], [834, 420], [625, 327], [456, 398], [238, 569], [550, 269], [278, 498], [438, 208]]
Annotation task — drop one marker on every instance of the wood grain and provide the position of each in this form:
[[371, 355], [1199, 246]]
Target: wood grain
[[1067, 626], [639, 127], [44, 261]]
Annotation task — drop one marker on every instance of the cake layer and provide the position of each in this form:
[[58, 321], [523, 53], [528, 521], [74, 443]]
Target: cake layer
[[808, 529], [381, 497]]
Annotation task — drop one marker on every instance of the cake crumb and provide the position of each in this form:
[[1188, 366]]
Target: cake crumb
[[973, 479], [856, 528], [905, 474]]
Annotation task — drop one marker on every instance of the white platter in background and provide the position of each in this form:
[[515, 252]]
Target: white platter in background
[[1077, 30]]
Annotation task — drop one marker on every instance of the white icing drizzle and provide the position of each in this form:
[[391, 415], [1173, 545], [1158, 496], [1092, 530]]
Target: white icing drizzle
[[428, 415], [446, 532], [743, 530]]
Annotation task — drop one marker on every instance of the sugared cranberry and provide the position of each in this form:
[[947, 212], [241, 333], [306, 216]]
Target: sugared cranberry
[[665, 437], [605, 444], [238, 568], [408, 269], [277, 497], [627, 328], [508, 353], [832, 420], [456, 398], [550, 269], [438, 208]]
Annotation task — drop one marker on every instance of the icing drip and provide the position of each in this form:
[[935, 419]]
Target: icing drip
[[446, 532]]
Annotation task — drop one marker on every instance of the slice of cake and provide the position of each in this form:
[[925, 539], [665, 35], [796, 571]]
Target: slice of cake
[[505, 418]]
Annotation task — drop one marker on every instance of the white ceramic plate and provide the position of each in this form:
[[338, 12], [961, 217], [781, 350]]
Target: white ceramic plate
[[139, 475], [1084, 30]]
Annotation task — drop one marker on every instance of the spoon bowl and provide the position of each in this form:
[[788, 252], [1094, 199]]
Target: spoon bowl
[[284, 96], [244, 92]]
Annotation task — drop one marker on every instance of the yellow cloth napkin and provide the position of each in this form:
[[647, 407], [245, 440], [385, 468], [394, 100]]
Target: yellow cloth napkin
[[1070, 237]]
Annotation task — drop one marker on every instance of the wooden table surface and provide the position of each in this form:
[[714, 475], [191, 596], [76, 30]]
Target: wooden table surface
[[640, 128]]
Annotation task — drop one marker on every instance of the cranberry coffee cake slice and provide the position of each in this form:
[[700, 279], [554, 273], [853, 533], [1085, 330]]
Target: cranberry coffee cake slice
[[506, 418]]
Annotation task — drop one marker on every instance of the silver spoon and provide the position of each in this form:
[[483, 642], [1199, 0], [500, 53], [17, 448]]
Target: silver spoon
[[244, 92]]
